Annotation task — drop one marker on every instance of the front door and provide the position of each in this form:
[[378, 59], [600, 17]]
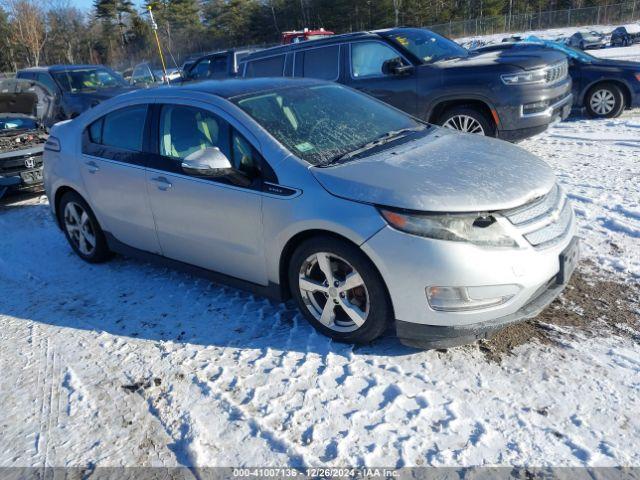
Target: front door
[[364, 72], [113, 171], [210, 222]]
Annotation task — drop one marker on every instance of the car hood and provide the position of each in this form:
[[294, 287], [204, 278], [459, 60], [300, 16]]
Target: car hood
[[624, 64], [444, 171], [101, 94], [527, 60]]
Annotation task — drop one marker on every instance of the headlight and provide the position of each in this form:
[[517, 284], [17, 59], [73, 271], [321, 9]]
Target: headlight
[[479, 229], [533, 76]]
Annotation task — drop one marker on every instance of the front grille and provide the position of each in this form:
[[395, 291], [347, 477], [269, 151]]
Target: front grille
[[552, 232], [557, 72], [544, 221], [17, 164]]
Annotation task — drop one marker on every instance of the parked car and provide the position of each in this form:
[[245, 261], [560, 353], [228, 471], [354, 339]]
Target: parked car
[[76, 87], [312, 190], [625, 35], [604, 87], [426, 75], [586, 40], [216, 65], [296, 36], [147, 74], [25, 112]]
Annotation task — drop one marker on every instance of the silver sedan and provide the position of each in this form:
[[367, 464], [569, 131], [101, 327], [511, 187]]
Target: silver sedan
[[364, 215]]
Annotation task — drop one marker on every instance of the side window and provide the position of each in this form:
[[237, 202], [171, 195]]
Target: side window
[[46, 80], [321, 63], [186, 130], [367, 58], [267, 67], [95, 131], [201, 70], [218, 67], [245, 158], [124, 128]]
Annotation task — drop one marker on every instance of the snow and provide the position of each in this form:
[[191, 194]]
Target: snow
[[129, 364]]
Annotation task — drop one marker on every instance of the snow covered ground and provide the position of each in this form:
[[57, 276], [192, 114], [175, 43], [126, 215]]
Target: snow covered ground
[[130, 364]]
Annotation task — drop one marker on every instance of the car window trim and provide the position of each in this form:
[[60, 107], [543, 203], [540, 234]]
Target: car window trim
[[303, 51], [372, 40], [113, 153]]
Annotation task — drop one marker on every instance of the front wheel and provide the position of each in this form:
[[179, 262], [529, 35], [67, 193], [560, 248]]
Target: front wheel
[[605, 101], [339, 291], [467, 120]]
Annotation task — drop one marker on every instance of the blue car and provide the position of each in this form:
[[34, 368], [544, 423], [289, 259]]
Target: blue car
[[604, 87]]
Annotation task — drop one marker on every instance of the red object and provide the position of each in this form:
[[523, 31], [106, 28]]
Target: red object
[[296, 36]]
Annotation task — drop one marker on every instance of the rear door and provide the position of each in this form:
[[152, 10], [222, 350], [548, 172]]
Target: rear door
[[212, 223], [113, 171], [364, 72]]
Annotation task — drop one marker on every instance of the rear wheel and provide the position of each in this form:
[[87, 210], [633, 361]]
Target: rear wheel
[[605, 100], [468, 120], [339, 291], [82, 229]]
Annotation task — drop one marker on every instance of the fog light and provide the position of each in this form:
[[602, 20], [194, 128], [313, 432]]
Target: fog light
[[458, 299], [535, 107]]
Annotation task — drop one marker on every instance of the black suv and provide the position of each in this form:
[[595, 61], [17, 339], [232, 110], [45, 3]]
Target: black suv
[[510, 95], [76, 87], [216, 65]]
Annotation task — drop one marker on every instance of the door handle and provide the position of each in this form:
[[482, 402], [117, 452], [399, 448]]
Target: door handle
[[162, 183], [92, 166]]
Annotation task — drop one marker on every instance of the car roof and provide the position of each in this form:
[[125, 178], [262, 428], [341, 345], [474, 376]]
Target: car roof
[[229, 88], [328, 40], [60, 68]]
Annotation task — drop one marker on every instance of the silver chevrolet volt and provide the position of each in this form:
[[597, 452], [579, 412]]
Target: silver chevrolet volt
[[365, 216]]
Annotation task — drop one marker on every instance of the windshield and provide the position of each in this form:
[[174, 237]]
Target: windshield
[[88, 79], [306, 120], [429, 47], [8, 123]]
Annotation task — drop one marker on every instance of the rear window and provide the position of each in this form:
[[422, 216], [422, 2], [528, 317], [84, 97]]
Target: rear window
[[266, 67], [120, 129], [321, 63]]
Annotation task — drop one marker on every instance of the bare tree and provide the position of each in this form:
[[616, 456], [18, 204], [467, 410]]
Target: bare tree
[[28, 32]]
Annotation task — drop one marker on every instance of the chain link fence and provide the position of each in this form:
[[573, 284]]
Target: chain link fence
[[617, 14]]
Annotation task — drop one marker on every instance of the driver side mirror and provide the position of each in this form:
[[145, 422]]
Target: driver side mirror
[[210, 162], [395, 66]]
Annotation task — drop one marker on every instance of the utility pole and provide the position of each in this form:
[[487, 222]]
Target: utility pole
[[154, 27]]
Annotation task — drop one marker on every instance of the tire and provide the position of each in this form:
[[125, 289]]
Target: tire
[[605, 100], [71, 212], [456, 117], [305, 264]]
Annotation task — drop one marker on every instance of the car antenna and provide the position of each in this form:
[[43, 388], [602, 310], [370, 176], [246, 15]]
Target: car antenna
[[154, 27]]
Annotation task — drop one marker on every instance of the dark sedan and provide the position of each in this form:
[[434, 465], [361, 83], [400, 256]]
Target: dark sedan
[[604, 87], [77, 87]]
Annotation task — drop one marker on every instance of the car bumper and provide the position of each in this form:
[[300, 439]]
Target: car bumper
[[410, 264], [516, 123], [24, 181]]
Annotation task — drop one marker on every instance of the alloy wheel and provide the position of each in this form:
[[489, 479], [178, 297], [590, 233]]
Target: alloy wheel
[[334, 292], [602, 101], [464, 123], [78, 226]]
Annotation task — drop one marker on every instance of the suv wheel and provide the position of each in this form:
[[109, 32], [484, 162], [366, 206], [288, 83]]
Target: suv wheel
[[339, 291], [82, 229], [468, 120], [605, 101]]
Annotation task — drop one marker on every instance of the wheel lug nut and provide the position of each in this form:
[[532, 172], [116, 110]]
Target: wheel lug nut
[[336, 284], [341, 294]]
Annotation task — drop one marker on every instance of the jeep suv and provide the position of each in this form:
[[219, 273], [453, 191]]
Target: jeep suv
[[507, 94]]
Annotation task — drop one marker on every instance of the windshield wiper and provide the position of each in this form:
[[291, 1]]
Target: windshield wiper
[[376, 142]]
